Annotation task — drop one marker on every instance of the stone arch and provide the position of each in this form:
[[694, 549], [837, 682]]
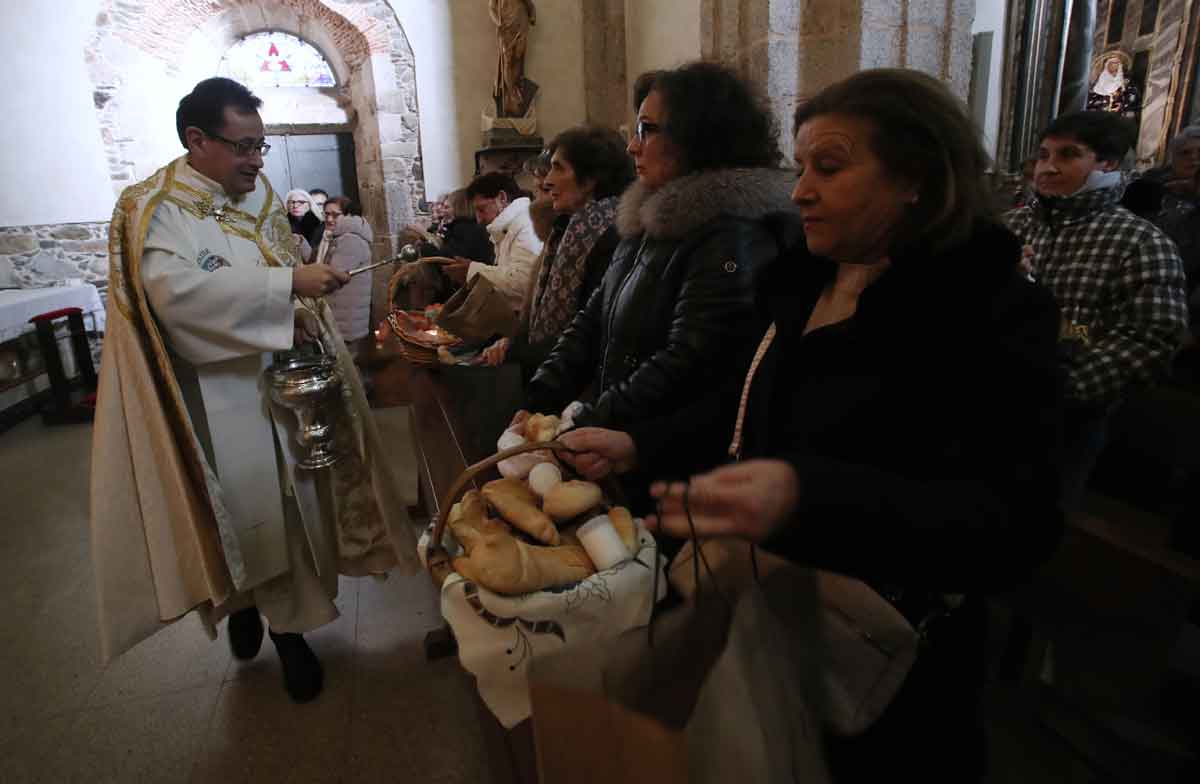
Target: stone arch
[[144, 56]]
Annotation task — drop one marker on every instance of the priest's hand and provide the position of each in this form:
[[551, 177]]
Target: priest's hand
[[600, 452], [317, 280], [306, 328], [747, 500]]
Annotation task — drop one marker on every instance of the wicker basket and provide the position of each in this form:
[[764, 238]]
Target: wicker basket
[[437, 559], [414, 351]]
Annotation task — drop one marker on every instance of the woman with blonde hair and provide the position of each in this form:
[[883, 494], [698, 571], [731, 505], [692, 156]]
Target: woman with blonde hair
[[304, 217]]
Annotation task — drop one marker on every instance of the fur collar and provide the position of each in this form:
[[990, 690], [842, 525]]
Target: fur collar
[[687, 203]]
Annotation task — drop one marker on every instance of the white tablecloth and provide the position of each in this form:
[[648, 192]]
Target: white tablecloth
[[17, 306], [498, 636]]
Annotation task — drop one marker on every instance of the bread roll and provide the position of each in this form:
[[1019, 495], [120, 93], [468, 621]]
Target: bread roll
[[571, 499], [623, 522], [502, 563], [541, 427], [544, 477], [517, 504]]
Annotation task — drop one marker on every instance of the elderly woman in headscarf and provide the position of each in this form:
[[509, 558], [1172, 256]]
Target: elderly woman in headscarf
[[588, 170], [303, 215]]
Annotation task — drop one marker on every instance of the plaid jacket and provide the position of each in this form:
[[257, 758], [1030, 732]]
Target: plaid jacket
[[1119, 282]]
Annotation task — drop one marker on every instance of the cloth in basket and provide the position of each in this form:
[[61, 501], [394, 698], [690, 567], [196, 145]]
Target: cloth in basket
[[499, 636]]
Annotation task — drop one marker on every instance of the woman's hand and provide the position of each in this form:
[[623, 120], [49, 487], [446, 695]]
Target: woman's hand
[[494, 354], [1025, 265], [747, 500], [600, 452]]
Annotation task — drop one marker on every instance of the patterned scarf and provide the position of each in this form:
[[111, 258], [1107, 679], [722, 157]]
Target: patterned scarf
[[564, 266]]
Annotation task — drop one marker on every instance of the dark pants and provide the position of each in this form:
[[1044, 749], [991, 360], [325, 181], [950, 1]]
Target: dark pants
[[1085, 432]]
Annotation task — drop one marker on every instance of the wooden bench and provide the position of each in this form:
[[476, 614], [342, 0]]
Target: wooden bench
[[457, 414], [1111, 604]]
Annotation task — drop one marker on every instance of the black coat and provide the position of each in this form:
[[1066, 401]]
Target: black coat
[[464, 237], [308, 226], [676, 307], [923, 431]]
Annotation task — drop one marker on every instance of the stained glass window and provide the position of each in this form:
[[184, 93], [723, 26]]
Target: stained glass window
[[276, 60]]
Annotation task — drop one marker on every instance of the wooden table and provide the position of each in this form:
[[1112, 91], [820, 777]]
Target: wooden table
[[457, 414]]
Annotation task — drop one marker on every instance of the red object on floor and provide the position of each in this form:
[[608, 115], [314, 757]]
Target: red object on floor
[[55, 314], [62, 409]]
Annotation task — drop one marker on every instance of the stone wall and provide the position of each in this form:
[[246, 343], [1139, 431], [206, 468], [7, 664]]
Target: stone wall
[[145, 55], [51, 255]]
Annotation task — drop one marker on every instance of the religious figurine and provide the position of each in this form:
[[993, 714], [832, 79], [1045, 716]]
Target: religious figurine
[[512, 91], [1113, 90]]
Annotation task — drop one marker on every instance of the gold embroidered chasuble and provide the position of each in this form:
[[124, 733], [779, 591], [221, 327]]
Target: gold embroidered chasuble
[[194, 484]]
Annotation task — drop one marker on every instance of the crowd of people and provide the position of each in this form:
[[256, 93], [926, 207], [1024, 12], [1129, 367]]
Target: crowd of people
[[854, 361], [859, 362]]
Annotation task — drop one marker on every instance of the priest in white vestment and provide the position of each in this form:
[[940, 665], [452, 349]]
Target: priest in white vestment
[[197, 501]]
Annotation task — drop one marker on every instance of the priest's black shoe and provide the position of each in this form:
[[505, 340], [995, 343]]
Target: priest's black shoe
[[245, 633], [302, 673]]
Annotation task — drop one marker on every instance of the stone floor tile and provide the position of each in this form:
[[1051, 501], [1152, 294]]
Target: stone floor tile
[[258, 735], [421, 722], [178, 658], [149, 740]]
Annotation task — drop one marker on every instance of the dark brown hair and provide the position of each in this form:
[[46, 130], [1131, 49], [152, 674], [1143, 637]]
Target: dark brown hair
[[923, 136], [596, 154], [348, 206], [490, 185], [715, 119], [1108, 134], [204, 106]]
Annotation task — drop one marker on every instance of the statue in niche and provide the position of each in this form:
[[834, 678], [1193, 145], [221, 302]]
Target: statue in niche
[[512, 91], [1113, 90]]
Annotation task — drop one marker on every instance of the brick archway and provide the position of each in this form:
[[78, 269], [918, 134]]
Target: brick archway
[[144, 57]]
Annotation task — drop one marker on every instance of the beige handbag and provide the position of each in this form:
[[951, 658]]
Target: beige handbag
[[478, 312], [861, 646]]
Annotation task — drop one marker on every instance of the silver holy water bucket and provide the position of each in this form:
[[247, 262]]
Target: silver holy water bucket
[[309, 386]]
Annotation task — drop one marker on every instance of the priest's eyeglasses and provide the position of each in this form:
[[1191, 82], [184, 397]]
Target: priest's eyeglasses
[[244, 148]]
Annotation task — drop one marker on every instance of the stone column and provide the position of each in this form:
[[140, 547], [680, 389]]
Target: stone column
[[604, 68], [1077, 60], [794, 48]]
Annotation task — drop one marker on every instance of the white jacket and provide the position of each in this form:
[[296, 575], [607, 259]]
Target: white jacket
[[517, 251]]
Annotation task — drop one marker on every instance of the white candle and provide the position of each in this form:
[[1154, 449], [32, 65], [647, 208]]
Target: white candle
[[602, 542], [544, 477]]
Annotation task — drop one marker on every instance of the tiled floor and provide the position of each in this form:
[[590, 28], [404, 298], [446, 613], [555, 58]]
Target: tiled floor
[[178, 708]]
